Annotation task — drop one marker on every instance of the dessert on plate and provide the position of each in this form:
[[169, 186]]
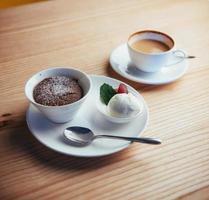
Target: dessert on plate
[[57, 91], [118, 104]]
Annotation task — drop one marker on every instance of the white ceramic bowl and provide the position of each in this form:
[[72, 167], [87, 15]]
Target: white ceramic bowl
[[64, 113], [104, 111]]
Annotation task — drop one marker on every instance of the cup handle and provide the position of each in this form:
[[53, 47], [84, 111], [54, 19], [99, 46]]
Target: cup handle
[[178, 54]]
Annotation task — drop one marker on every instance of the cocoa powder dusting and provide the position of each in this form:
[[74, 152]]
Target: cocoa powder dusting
[[57, 91]]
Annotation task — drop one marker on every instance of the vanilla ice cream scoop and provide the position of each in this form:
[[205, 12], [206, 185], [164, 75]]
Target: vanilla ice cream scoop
[[124, 105]]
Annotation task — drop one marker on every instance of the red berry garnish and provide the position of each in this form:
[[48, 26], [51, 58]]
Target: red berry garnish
[[122, 88]]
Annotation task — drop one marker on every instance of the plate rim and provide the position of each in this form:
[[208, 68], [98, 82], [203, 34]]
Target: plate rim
[[97, 155], [143, 81]]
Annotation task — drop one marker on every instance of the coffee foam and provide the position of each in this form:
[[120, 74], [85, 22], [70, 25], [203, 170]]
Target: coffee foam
[[151, 35]]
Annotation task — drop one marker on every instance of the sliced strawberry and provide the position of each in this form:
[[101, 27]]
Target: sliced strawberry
[[122, 88]]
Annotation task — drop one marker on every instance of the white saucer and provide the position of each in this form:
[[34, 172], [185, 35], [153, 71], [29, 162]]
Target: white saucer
[[51, 134], [121, 64]]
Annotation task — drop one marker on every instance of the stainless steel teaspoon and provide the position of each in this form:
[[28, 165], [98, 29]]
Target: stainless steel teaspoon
[[84, 136]]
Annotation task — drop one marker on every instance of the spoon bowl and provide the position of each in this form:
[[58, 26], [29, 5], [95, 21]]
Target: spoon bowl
[[80, 135]]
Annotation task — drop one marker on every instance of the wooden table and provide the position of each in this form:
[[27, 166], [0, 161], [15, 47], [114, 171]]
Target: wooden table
[[82, 34]]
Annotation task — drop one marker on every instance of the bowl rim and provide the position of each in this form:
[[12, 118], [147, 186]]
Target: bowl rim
[[58, 68]]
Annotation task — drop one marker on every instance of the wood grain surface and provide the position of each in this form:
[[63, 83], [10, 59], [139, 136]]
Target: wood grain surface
[[82, 34]]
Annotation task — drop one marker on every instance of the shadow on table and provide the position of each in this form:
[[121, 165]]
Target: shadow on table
[[139, 86], [22, 140]]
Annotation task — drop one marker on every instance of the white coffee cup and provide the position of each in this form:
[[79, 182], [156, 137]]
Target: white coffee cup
[[64, 113], [152, 62]]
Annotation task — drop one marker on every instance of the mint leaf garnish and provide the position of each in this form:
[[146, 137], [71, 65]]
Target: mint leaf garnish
[[106, 93]]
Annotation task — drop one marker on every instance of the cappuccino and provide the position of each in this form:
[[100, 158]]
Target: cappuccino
[[150, 46]]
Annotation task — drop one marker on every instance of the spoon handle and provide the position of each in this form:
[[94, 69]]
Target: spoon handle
[[133, 139], [190, 57]]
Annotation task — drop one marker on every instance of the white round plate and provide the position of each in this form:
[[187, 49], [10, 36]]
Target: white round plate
[[51, 134], [120, 62]]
